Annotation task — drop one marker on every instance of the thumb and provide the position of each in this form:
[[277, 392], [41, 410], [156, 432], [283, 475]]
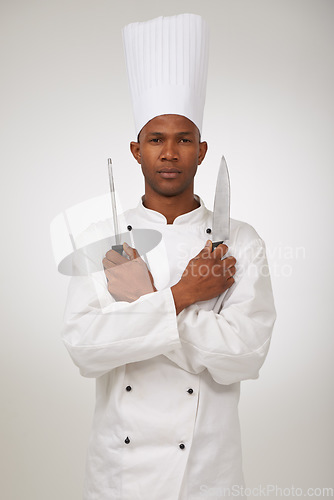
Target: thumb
[[208, 247], [130, 252], [205, 250]]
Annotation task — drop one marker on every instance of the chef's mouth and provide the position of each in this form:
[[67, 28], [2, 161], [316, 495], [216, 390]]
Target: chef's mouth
[[169, 173], [169, 170]]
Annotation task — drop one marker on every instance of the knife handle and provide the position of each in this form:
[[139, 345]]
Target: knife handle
[[215, 244], [118, 248]]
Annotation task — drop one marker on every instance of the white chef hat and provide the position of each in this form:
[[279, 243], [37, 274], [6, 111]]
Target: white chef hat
[[167, 62]]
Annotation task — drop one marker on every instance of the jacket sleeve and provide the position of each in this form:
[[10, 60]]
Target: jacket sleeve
[[101, 334], [232, 339]]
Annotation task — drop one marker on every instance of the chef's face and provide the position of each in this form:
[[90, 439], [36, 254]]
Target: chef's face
[[169, 151]]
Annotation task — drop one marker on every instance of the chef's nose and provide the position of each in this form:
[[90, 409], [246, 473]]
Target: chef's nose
[[169, 151]]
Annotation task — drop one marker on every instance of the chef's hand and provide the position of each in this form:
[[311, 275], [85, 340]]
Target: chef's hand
[[205, 277], [128, 278]]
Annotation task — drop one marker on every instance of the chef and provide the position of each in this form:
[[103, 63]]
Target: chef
[[170, 335]]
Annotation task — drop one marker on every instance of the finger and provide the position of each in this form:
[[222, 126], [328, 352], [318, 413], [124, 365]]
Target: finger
[[220, 251], [115, 257], [107, 264], [230, 271], [230, 281], [229, 261], [131, 252], [206, 250]]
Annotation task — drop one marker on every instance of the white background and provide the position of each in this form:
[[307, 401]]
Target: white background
[[65, 108]]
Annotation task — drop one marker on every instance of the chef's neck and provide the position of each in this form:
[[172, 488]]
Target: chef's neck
[[170, 206]]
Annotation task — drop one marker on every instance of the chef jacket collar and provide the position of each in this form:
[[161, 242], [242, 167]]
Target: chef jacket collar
[[197, 216]]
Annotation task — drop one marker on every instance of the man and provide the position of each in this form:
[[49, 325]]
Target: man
[[170, 341]]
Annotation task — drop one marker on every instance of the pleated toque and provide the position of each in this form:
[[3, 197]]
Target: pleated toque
[[167, 63]]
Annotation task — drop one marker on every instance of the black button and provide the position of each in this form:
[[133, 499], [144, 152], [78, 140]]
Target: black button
[[127, 440], [182, 446], [128, 388], [190, 391], [208, 230], [129, 228]]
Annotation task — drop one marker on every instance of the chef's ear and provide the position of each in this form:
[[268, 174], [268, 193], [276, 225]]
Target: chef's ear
[[203, 147], [135, 150]]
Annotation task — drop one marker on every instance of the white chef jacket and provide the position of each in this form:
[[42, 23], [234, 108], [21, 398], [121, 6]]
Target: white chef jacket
[[167, 386]]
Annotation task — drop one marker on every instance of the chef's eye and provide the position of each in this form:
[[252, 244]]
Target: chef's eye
[[185, 140], [155, 140]]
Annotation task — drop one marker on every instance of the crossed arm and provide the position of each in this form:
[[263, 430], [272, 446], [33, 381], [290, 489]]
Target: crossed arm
[[230, 342], [205, 277]]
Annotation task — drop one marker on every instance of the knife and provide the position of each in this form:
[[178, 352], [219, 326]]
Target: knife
[[221, 207], [87, 259], [118, 247]]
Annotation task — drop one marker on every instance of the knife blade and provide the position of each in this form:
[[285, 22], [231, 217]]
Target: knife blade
[[221, 207], [118, 247]]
